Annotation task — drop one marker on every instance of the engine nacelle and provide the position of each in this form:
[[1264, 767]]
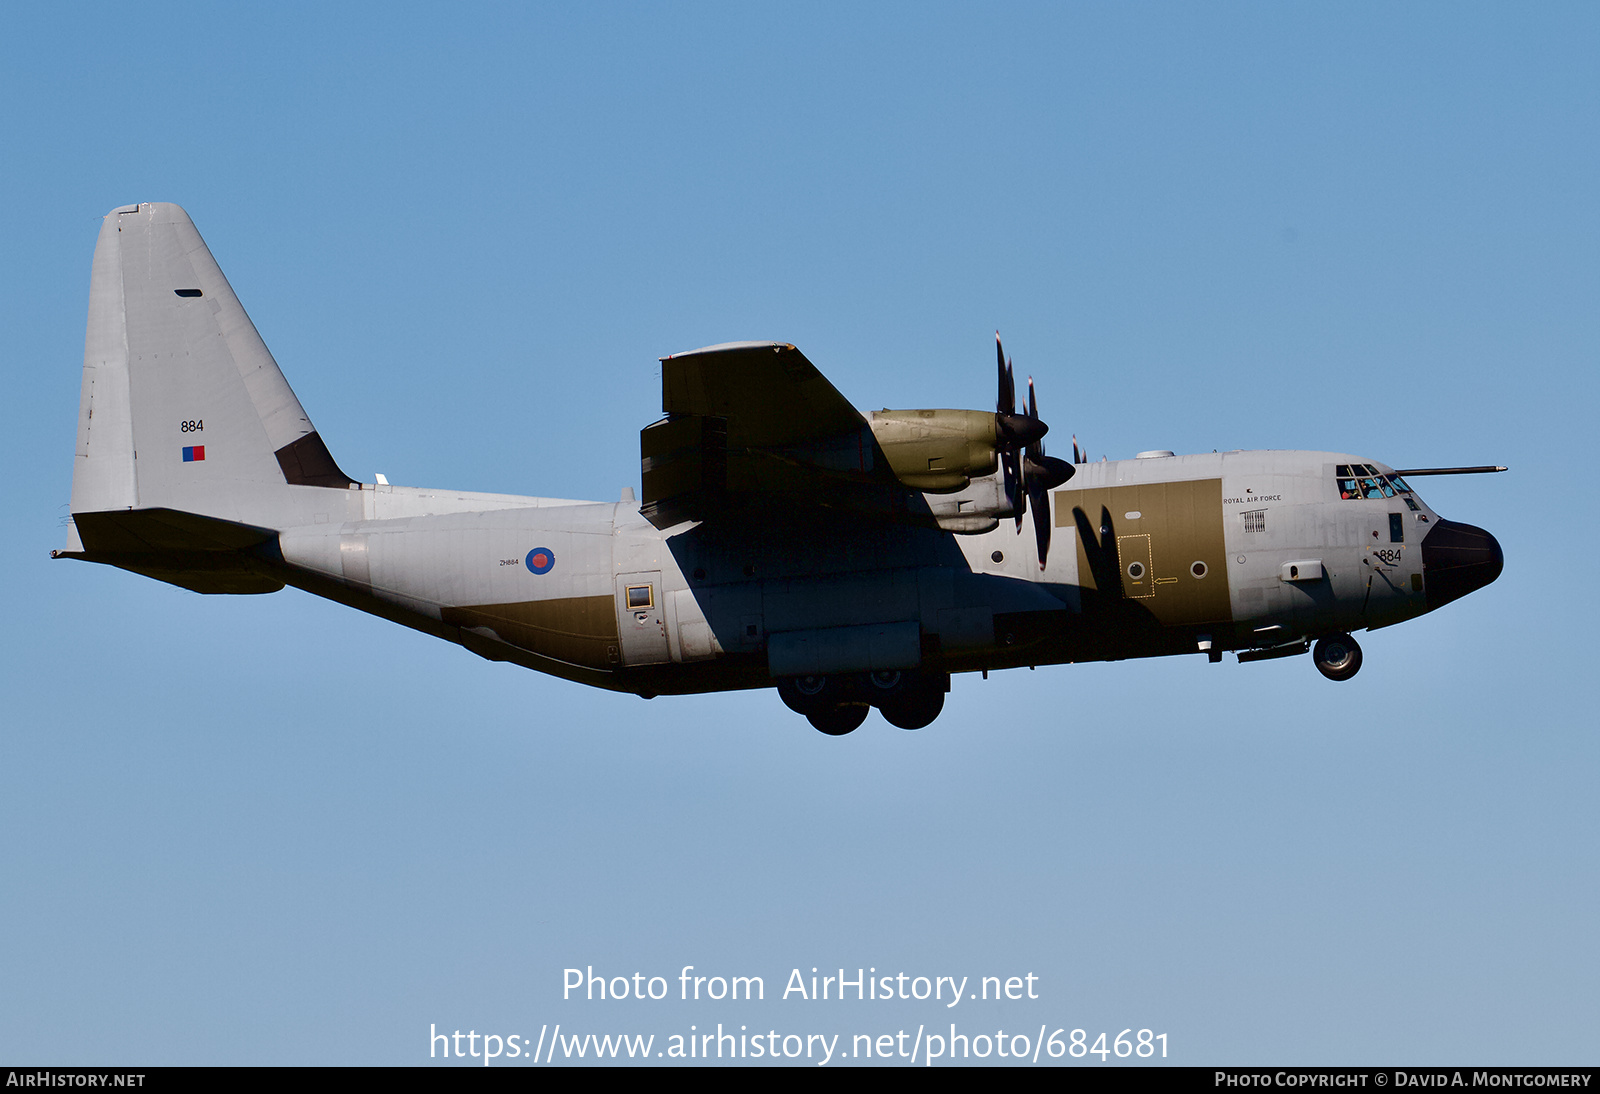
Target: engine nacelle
[[937, 451]]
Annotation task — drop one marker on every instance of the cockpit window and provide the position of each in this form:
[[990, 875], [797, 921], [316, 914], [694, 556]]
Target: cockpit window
[[1361, 481]]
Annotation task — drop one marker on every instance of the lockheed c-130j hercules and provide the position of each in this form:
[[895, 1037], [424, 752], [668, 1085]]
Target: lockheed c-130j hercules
[[781, 538]]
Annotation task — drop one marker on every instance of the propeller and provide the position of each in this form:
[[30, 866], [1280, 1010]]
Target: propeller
[[1030, 475], [1040, 475], [1006, 428]]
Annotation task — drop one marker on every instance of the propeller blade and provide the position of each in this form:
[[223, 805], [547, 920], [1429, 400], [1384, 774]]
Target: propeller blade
[[1012, 432], [1044, 475], [1015, 492], [1035, 454], [1006, 401], [1040, 475], [1039, 493]]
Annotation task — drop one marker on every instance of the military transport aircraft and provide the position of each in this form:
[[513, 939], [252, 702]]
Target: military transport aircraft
[[781, 537]]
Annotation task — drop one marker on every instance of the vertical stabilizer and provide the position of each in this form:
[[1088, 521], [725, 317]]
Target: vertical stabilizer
[[182, 406]]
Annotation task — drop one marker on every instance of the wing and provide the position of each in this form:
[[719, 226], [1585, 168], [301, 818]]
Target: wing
[[753, 424], [769, 393]]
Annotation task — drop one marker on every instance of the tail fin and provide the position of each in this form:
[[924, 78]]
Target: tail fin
[[183, 408]]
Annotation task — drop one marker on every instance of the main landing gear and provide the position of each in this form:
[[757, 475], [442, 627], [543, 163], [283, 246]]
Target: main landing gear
[[1337, 656], [838, 704]]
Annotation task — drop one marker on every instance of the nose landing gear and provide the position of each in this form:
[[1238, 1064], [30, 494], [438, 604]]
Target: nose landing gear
[[1337, 656]]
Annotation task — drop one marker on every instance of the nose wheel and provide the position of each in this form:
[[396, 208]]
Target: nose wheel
[[1337, 656]]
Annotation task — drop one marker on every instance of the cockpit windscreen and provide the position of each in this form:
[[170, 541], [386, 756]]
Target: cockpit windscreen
[[1359, 481]]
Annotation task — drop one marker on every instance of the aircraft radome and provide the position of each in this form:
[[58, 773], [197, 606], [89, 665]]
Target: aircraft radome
[[781, 538]]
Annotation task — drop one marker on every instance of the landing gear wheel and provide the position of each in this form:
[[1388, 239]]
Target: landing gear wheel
[[915, 710], [838, 720], [909, 700], [1337, 656], [891, 682], [804, 694]]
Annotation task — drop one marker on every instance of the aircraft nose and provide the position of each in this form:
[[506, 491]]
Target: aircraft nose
[[1456, 559]]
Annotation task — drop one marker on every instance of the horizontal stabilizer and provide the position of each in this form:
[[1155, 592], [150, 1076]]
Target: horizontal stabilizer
[[199, 553]]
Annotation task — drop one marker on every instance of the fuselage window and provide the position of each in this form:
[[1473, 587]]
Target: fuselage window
[[639, 596], [1397, 528]]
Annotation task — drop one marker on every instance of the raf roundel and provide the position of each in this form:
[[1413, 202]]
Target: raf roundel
[[541, 560]]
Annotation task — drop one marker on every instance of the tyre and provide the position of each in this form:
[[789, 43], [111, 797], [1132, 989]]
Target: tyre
[[840, 719], [1337, 656], [912, 699], [914, 710]]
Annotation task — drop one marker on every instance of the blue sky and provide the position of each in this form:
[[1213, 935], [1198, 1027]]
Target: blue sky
[[269, 830]]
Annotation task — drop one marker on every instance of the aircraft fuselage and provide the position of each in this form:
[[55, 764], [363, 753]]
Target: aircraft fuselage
[[1225, 551]]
